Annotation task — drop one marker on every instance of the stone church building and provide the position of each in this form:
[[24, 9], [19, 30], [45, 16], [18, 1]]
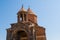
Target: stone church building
[[26, 27]]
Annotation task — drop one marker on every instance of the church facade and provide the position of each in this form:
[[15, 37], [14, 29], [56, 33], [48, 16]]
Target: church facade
[[26, 27]]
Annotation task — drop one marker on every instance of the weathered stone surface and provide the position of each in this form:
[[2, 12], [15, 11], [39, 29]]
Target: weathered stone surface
[[26, 28]]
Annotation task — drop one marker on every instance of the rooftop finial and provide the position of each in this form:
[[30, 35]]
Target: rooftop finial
[[28, 6], [22, 5], [22, 8], [29, 10]]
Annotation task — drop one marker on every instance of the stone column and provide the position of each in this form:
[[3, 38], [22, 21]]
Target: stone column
[[18, 18], [23, 18], [27, 17]]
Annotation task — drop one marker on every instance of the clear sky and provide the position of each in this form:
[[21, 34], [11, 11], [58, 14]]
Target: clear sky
[[48, 12]]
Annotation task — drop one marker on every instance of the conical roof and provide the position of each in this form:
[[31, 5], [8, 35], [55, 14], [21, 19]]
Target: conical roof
[[30, 11], [22, 9]]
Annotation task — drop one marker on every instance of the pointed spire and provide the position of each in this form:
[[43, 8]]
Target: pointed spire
[[30, 11], [22, 8]]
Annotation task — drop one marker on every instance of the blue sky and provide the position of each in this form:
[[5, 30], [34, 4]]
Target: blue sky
[[48, 12]]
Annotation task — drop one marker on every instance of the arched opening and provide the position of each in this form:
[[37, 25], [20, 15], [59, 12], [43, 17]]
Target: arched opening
[[21, 17], [25, 17], [21, 35]]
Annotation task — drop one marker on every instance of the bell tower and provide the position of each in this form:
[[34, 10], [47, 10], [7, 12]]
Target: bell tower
[[26, 16], [22, 15], [26, 27], [31, 16]]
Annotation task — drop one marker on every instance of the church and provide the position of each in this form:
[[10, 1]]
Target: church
[[26, 27]]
